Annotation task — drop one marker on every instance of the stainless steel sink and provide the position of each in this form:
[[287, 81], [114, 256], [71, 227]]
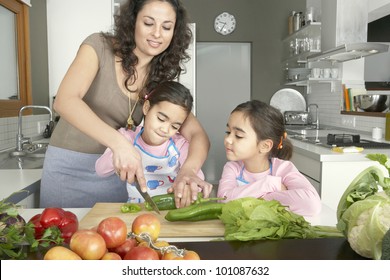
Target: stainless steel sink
[[30, 158]]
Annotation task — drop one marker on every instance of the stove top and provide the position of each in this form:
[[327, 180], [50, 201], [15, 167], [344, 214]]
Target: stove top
[[343, 140]]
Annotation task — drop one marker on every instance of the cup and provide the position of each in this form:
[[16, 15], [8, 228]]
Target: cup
[[316, 73], [326, 73], [377, 133], [334, 73]]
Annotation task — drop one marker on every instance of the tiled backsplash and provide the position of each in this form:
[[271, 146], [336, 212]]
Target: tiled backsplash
[[330, 104], [30, 125]]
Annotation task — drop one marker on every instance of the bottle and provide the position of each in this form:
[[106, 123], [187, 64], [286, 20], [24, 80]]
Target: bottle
[[291, 23], [387, 127], [297, 20]]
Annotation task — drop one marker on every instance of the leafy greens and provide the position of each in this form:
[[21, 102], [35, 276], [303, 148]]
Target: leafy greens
[[253, 219]]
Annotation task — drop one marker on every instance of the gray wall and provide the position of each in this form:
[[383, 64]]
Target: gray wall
[[261, 22], [39, 57]]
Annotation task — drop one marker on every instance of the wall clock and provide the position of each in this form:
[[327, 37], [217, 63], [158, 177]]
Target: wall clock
[[225, 23]]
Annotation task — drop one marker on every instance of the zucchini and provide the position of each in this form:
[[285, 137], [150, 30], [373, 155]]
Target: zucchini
[[196, 212], [163, 202], [167, 201]]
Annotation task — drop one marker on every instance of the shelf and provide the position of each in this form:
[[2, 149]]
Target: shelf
[[300, 58], [311, 81], [364, 114], [312, 29], [304, 43]]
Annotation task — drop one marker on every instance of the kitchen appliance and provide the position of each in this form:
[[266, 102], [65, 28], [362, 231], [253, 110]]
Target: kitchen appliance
[[371, 102], [350, 51], [296, 117], [348, 140], [342, 140]]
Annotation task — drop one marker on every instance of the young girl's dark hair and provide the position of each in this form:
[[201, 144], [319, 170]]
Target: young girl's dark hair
[[268, 123], [167, 65], [172, 92]]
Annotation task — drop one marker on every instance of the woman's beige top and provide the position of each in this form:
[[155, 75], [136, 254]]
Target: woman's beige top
[[104, 97]]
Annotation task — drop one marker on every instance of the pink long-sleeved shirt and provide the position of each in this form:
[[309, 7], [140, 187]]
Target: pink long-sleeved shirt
[[104, 166], [300, 196]]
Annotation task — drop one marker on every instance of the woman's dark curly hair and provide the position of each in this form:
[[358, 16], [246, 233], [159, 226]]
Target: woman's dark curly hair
[[164, 67]]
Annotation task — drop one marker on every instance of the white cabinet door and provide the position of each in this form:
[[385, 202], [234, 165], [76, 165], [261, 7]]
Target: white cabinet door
[[68, 24]]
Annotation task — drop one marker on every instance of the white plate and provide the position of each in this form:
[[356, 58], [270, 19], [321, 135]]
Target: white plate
[[288, 99]]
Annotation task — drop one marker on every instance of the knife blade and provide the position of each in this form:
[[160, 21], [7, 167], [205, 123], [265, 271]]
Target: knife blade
[[147, 198]]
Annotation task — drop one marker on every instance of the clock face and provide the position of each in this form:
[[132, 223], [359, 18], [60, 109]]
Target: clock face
[[225, 23]]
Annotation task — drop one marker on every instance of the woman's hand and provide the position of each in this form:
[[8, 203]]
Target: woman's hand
[[128, 164], [186, 187]]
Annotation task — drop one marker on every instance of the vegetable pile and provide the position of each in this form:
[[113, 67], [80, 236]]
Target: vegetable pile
[[65, 221], [17, 238], [363, 212], [254, 219]]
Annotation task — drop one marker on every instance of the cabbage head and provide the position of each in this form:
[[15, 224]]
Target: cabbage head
[[363, 212], [366, 222]]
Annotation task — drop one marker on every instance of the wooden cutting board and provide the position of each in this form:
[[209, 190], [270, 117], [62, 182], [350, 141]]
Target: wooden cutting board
[[211, 228]]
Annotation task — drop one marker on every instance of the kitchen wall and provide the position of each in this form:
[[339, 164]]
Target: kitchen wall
[[32, 126], [261, 23], [335, 27]]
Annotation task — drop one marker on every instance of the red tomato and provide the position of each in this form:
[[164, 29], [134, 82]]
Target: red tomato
[[113, 230], [148, 223], [125, 247], [88, 244], [141, 253]]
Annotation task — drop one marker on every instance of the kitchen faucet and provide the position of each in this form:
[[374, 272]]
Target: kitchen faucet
[[317, 122], [20, 140]]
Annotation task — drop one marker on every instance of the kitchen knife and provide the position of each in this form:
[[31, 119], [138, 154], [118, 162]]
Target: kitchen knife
[[147, 197]]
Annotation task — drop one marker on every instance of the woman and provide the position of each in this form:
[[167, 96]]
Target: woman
[[101, 92]]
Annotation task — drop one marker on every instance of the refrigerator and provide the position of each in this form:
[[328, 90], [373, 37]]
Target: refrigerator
[[223, 79]]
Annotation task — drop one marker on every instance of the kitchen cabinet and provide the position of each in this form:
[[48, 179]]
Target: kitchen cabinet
[[297, 47], [329, 173]]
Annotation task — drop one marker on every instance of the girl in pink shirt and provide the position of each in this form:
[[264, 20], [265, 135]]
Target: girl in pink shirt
[[162, 149], [258, 152]]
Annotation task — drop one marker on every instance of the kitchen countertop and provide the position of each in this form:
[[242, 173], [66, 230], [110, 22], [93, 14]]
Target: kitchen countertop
[[15, 180], [284, 249], [327, 217], [320, 153]]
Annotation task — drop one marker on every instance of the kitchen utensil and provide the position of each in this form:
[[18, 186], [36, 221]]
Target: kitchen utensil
[[288, 99], [147, 197], [296, 117], [371, 102]]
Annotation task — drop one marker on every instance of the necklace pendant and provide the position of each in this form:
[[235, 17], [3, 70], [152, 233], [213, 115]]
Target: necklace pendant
[[130, 123]]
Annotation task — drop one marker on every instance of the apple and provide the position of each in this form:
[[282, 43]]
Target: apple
[[60, 253], [146, 223], [111, 256], [88, 244], [113, 230], [125, 247], [141, 253]]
